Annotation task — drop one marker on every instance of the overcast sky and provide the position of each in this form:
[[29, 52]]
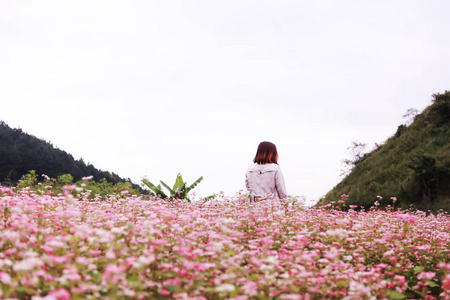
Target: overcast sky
[[155, 88]]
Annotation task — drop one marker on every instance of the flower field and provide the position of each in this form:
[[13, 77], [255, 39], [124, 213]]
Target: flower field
[[123, 247]]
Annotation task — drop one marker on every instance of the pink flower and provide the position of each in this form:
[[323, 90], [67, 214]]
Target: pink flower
[[426, 275], [57, 259], [5, 278], [60, 294], [174, 281], [446, 282], [114, 269], [69, 187], [164, 292], [400, 280]]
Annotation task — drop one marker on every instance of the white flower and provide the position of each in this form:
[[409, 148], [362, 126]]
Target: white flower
[[146, 260], [27, 264], [226, 287], [341, 233], [272, 260]]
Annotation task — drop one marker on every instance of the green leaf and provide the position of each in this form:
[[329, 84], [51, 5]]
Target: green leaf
[[253, 276], [167, 187], [395, 295], [432, 283], [156, 189], [342, 283], [149, 184], [294, 288], [134, 278], [170, 288], [194, 184], [178, 183], [417, 269]]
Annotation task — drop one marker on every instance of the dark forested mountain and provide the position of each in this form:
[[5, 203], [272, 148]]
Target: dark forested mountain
[[413, 165], [21, 152]]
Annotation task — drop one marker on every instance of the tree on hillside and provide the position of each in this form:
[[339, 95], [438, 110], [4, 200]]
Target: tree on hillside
[[357, 152], [410, 115]]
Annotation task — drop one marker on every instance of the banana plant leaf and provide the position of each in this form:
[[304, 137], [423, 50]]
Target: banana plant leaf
[[194, 184], [179, 189], [156, 189], [179, 184], [171, 191]]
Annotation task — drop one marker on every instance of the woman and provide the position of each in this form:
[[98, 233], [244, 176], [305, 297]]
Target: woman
[[264, 179]]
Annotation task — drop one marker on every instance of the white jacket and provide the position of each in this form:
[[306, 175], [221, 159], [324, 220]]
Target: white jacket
[[265, 181]]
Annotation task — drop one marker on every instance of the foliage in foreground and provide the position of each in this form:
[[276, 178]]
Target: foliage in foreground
[[86, 188], [58, 247]]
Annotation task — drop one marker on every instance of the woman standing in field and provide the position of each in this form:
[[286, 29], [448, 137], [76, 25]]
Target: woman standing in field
[[264, 179]]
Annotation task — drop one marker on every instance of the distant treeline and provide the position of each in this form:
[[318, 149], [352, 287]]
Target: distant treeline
[[21, 152], [413, 165]]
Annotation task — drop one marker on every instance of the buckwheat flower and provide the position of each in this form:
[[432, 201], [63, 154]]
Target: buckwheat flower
[[110, 254], [426, 275], [5, 278], [291, 297], [226, 287], [400, 279], [5, 262], [62, 294], [69, 187], [146, 260], [57, 259], [87, 177], [446, 282], [440, 265], [338, 232], [272, 260], [27, 264]]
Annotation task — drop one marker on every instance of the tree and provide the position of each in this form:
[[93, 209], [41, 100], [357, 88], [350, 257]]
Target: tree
[[410, 115], [357, 153]]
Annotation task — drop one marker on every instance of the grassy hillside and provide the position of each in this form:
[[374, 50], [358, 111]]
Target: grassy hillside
[[21, 152], [413, 165]]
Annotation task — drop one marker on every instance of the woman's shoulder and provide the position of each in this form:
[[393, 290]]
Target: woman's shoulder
[[265, 167]]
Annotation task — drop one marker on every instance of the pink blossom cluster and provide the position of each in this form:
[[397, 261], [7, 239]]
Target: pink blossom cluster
[[55, 247]]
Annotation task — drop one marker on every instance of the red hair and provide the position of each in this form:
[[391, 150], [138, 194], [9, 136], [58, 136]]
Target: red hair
[[266, 154]]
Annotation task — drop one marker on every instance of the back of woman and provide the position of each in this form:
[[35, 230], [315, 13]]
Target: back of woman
[[264, 178]]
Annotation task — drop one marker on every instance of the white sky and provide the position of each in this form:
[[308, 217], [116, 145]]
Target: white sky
[[160, 87]]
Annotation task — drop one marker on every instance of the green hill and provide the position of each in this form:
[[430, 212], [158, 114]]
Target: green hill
[[413, 165], [21, 152]]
